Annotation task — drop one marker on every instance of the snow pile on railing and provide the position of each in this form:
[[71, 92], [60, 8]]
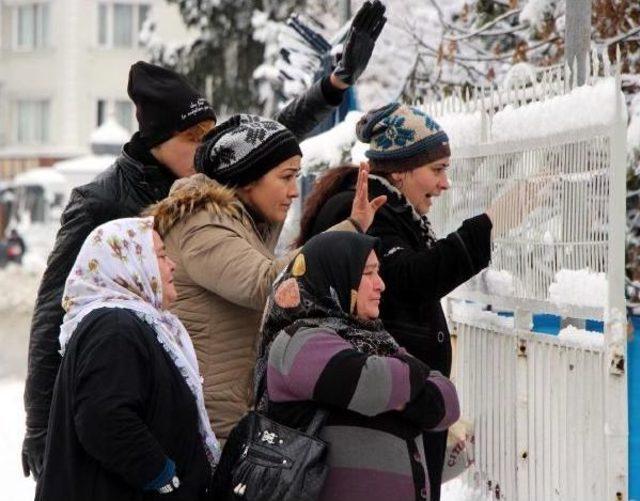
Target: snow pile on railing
[[579, 287], [577, 110], [499, 282], [474, 313], [581, 338]]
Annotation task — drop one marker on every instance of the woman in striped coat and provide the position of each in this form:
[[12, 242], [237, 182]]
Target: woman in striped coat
[[327, 348]]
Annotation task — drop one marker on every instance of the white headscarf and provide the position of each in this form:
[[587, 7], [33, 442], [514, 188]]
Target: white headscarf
[[117, 267]]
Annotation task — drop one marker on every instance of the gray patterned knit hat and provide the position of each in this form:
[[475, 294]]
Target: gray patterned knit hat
[[401, 138], [244, 148]]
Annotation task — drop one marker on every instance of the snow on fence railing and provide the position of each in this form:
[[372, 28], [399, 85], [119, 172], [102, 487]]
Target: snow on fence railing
[[550, 413]]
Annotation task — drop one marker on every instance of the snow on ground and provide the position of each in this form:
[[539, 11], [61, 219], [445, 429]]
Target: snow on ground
[[579, 287], [15, 487], [581, 338], [19, 289], [20, 284], [110, 132]]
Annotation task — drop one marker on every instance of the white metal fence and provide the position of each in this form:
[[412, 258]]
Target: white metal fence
[[550, 414]]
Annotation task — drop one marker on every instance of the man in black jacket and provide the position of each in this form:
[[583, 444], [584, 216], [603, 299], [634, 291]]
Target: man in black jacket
[[172, 118]]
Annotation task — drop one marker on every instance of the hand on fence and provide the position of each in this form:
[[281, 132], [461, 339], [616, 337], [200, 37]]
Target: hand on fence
[[509, 209], [362, 210]]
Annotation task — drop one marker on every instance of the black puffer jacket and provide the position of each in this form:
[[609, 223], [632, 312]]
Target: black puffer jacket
[[135, 181]]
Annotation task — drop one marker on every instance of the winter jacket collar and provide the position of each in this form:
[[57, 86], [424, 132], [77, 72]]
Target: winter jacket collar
[[190, 195], [199, 192], [398, 204], [141, 168]]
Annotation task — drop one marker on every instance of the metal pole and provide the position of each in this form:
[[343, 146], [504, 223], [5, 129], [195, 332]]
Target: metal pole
[[345, 11], [578, 36]]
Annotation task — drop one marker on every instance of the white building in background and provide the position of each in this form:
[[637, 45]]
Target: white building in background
[[63, 69]]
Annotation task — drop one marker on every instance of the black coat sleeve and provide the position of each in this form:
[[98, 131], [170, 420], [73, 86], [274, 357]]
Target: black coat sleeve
[[430, 274], [44, 360], [112, 383], [304, 112]]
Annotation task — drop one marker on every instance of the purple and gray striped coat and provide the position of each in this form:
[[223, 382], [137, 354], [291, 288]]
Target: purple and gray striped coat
[[379, 406]]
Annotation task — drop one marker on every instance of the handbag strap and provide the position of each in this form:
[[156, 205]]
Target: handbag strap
[[319, 416], [317, 422]]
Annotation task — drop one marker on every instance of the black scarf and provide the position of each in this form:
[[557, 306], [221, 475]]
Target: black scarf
[[378, 185], [319, 289]]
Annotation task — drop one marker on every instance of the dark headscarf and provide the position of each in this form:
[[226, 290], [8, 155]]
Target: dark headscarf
[[319, 289]]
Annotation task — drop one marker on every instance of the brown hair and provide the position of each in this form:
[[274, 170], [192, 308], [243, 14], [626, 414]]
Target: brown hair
[[196, 132], [326, 186]]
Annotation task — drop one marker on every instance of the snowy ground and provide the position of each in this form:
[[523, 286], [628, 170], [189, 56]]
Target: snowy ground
[[19, 285], [14, 330]]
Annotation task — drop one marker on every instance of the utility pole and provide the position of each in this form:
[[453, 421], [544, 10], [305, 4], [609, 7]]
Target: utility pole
[[344, 11], [578, 35]]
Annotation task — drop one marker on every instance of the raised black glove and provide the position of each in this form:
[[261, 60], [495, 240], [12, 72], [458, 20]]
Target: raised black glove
[[358, 47], [33, 452]]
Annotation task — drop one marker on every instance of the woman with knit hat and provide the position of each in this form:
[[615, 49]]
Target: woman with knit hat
[[221, 227], [408, 156]]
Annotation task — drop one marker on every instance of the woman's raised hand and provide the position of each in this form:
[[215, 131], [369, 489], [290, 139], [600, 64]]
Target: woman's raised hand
[[363, 211]]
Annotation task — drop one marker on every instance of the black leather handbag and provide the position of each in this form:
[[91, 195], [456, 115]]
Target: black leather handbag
[[264, 460]]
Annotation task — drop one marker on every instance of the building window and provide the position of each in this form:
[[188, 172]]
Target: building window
[[120, 23], [32, 122], [101, 112], [31, 22], [122, 112]]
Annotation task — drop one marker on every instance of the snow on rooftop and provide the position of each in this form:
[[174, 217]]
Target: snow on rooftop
[[43, 176], [579, 287], [110, 132], [581, 338], [87, 164]]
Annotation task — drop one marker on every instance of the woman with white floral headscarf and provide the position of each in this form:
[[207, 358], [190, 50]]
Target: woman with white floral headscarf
[[127, 420]]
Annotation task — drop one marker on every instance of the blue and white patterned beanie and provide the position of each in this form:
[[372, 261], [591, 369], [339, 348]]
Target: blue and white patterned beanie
[[244, 148], [401, 138]]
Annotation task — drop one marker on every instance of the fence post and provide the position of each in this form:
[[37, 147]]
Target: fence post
[[616, 417], [578, 35]]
